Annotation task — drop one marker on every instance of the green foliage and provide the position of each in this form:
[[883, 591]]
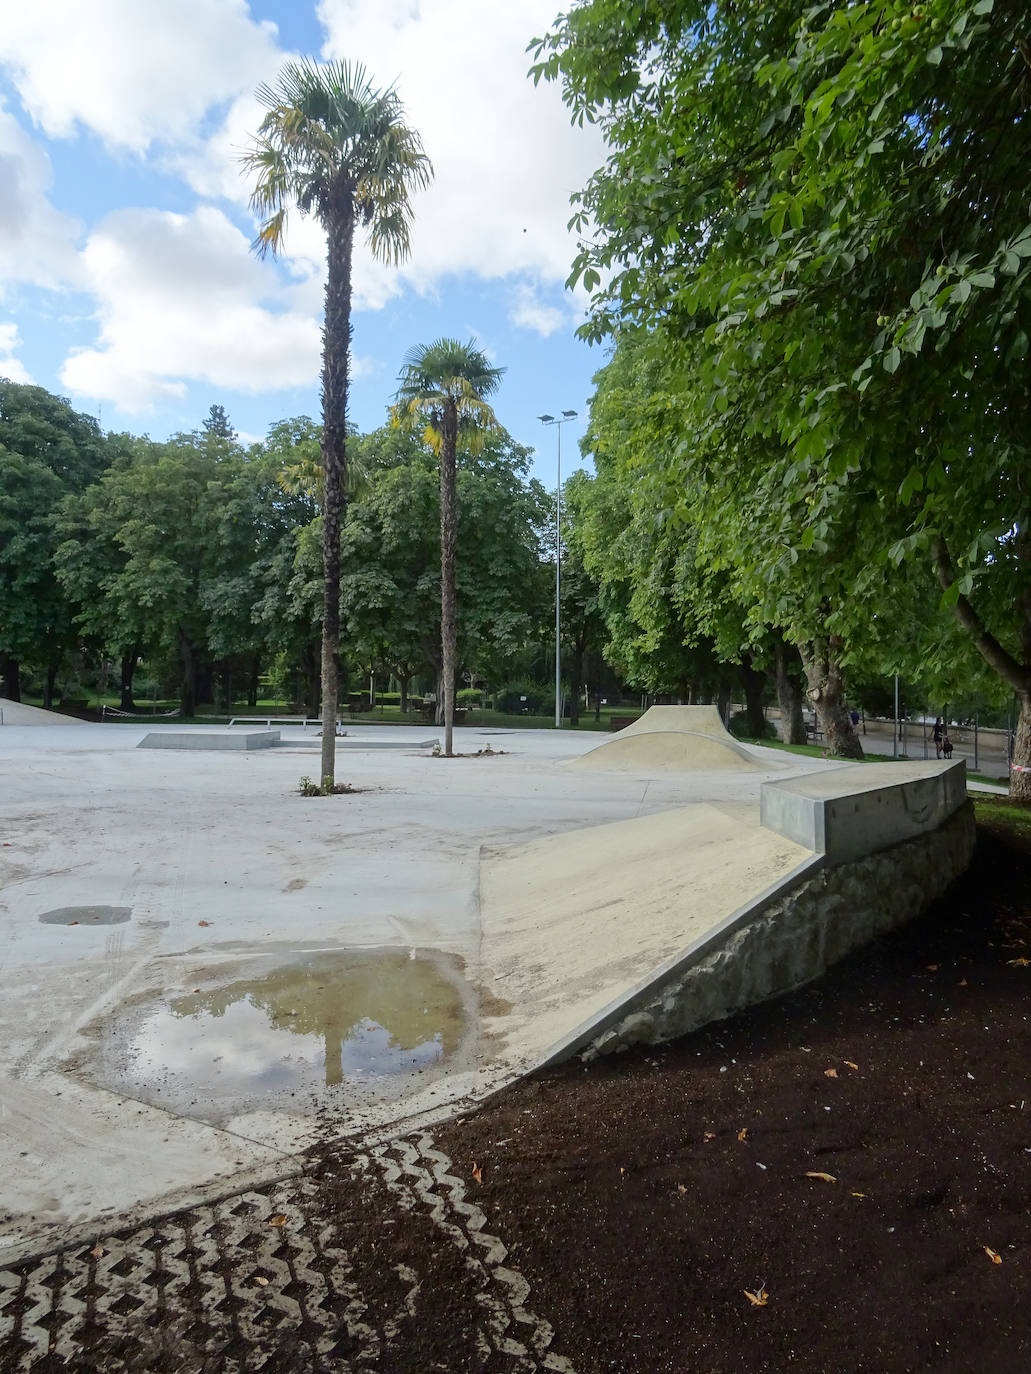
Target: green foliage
[[816, 214]]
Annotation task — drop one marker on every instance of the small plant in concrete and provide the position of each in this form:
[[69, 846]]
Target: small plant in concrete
[[327, 788]]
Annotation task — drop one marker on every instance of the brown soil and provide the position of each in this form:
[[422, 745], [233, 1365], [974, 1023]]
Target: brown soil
[[856, 1156]]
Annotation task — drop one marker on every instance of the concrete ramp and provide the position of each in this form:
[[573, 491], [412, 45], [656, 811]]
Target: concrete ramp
[[15, 713], [672, 739], [574, 921], [643, 930]]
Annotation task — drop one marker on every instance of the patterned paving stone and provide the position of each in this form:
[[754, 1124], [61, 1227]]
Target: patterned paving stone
[[263, 1280]]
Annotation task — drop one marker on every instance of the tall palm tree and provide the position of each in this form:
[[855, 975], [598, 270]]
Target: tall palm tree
[[337, 148], [442, 385]]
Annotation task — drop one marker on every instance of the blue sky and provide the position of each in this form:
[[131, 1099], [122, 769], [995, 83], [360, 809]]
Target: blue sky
[[126, 282]]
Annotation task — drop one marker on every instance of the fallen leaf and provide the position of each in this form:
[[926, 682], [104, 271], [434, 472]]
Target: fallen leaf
[[1018, 963], [815, 1173], [478, 1173], [850, 1065], [260, 1281], [742, 1133], [932, 968], [859, 1195], [204, 923], [97, 1250], [759, 1299], [963, 982], [709, 1135], [995, 1259], [681, 1189], [279, 1220], [830, 1073]]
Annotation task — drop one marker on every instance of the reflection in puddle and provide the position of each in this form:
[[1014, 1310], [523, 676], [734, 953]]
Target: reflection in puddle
[[326, 1019]]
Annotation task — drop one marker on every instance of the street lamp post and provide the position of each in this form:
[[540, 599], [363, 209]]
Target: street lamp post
[[567, 415]]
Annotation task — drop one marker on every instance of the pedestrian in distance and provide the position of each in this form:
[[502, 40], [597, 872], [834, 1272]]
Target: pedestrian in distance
[[937, 734]]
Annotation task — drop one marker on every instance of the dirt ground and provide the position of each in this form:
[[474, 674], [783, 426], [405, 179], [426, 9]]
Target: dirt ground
[[836, 1181]]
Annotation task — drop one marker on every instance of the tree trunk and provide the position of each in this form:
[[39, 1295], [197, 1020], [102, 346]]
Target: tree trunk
[[998, 658], [723, 703], [448, 551], [188, 689], [402, 682], [336, 346], [253, 673], [127, 671], [48, 688], [754, 682], [204, 681], [789, 693], [10, 678], [1020, 772], [827, 694]]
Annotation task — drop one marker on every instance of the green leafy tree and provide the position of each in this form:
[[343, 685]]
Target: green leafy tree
[[47, 451], [819, 208], [443, 388], [337, 148], [218, 424]]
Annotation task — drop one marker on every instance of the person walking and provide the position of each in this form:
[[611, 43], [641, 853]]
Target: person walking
[[937, 734]]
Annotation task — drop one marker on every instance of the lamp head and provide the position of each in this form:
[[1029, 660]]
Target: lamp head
[[546, 419], [569, 414]]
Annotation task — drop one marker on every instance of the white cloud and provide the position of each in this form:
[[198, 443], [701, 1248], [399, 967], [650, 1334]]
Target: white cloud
[[505, 155], [11, 367], [133, 71], [180, 298], [37, 242], [506, 158], [528, 311]]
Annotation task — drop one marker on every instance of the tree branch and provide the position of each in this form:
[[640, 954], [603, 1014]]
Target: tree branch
[[998, 659]]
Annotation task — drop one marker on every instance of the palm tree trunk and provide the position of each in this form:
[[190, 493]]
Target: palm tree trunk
[[336, 345], [448, 547]]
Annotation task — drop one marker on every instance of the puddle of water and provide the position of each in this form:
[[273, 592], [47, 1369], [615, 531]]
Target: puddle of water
[[366, 1017], [87, 916]]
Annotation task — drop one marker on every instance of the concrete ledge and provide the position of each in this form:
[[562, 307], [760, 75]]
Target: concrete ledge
[[782, 941], [196, 739], [848, 813]]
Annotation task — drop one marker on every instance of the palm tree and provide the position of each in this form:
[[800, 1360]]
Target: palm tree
[[442, 385], [339, 149]]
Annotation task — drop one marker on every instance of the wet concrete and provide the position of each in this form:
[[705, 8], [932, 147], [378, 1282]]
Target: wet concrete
[[332, 1027], [87, 916]]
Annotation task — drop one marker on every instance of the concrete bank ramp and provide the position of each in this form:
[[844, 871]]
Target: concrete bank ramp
[[574, 921], [645, 929], [14, 713], [672, 739]]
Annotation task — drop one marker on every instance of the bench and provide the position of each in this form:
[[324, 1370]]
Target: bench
[[813, 731]]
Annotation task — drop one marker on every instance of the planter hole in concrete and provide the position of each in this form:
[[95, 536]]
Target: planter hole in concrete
[[87, 916]]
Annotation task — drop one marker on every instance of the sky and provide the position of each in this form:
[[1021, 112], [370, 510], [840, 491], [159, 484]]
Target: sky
[[127, 283]]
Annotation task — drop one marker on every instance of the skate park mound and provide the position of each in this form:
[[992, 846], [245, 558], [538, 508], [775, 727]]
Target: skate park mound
[[672, 739], [14, 713]]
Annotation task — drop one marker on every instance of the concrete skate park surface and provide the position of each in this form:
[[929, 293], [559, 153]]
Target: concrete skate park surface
[[203, 970]]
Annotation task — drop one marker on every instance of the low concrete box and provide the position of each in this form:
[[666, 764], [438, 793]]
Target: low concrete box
[[197, 739], [851, 812]]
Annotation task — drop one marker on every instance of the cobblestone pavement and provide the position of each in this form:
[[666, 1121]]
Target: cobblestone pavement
[[265, 1280]]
